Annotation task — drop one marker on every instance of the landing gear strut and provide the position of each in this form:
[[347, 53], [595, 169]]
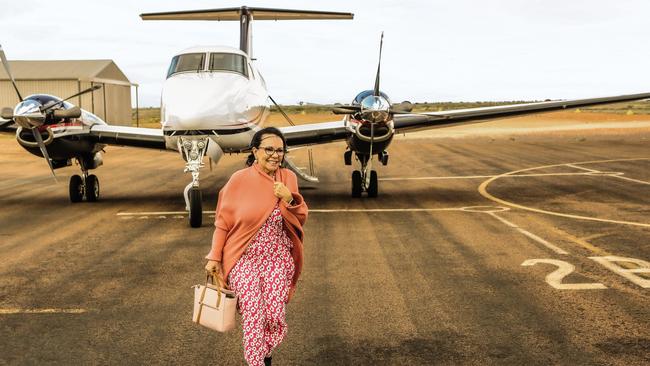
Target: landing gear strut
[[365, 179], [193, 149]]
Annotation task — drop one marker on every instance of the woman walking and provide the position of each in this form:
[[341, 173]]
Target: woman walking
[[257, 243]]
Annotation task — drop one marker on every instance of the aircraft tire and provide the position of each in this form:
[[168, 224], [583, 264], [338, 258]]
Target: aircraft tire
[[76, 189], [356, 184], [373, 188], [196, 209], [92, 188]]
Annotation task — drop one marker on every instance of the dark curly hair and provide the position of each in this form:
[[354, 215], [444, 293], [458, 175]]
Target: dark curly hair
[[257, 139]]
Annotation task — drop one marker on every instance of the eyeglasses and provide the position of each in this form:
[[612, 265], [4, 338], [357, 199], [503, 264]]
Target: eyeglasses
[[269, 151]]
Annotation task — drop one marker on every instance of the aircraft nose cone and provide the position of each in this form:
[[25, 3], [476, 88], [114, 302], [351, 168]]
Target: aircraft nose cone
[[28, 115], [202, 101]]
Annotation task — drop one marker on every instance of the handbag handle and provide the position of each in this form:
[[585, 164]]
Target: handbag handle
[[219, 286], [221, 283]]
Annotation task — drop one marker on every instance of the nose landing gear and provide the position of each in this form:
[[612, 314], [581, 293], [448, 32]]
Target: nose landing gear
[[365, 179], [193, 149]]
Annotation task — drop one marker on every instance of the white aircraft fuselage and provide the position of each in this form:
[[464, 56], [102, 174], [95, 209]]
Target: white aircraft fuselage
[[214, 91]]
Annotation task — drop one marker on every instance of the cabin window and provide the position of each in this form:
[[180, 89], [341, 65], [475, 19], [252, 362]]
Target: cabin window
[[228, 62], [186, 62]]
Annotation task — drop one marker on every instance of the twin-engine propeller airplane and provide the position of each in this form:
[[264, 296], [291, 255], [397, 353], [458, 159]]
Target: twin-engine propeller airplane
[[214, 100]]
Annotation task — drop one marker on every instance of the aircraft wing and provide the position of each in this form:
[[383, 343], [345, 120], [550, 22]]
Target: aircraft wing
[[152, 138], [128, 136], [325, 132], [314, 133], [427, 120], [7, 126]]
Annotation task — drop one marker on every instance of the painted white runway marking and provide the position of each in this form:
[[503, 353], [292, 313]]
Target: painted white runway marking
[[41, 311], [542, 241], [582, 168], [631, 179], [530, 235], [503, 220], [564, 268], [154, 213], [489, 176], [183, 214], [643, 267], [482, 189], [383, 210], [440, 178], [618, 175], [484, 209]]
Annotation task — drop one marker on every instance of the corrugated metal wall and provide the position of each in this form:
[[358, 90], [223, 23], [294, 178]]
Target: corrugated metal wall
[[88, 99], [118, 104], [116, 98], [59, 88]]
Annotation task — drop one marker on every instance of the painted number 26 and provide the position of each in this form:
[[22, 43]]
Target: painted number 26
[[610, 262]]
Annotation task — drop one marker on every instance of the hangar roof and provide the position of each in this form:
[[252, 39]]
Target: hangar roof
[[101, 71]]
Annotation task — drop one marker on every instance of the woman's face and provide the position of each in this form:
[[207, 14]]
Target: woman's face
[[273, 144]]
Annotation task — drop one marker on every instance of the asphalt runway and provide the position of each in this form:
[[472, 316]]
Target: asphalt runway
[[478, 251]]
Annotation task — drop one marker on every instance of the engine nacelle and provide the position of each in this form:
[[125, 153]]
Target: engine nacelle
[[91, 161], [359, 141], [26, 139]]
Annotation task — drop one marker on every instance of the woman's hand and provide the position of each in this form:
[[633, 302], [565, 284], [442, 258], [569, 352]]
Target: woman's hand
[[281, 191], [214, 268]]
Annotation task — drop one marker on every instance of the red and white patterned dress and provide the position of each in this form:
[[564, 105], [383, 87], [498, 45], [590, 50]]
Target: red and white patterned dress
[[261, 279]]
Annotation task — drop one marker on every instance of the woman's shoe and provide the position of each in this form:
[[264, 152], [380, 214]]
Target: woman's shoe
[[267, 361]]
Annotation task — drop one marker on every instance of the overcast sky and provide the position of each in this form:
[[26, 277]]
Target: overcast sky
[[433, 50]]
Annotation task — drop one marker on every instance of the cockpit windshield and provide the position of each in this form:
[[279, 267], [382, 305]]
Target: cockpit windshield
[[361, 96], [186, 62], [228, 62]]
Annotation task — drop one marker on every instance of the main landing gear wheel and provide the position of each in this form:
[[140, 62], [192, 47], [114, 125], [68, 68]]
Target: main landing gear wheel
[[196, 211], [356, 184], [373, 187], [92, 188], [359, 184], [76, 189], [80, 188]]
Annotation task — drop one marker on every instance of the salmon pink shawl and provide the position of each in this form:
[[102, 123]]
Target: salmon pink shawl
[[245, 202]]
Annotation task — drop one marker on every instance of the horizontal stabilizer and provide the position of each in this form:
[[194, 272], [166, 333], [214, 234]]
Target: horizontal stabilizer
[[226, 14]]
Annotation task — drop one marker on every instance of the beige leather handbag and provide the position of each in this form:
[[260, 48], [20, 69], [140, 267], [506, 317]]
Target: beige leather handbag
[[214, 306]]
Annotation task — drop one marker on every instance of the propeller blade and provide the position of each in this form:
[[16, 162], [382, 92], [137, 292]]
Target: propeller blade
[[50, 106], [5, 63], [346, 109], [41, 145], [381, 44]]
